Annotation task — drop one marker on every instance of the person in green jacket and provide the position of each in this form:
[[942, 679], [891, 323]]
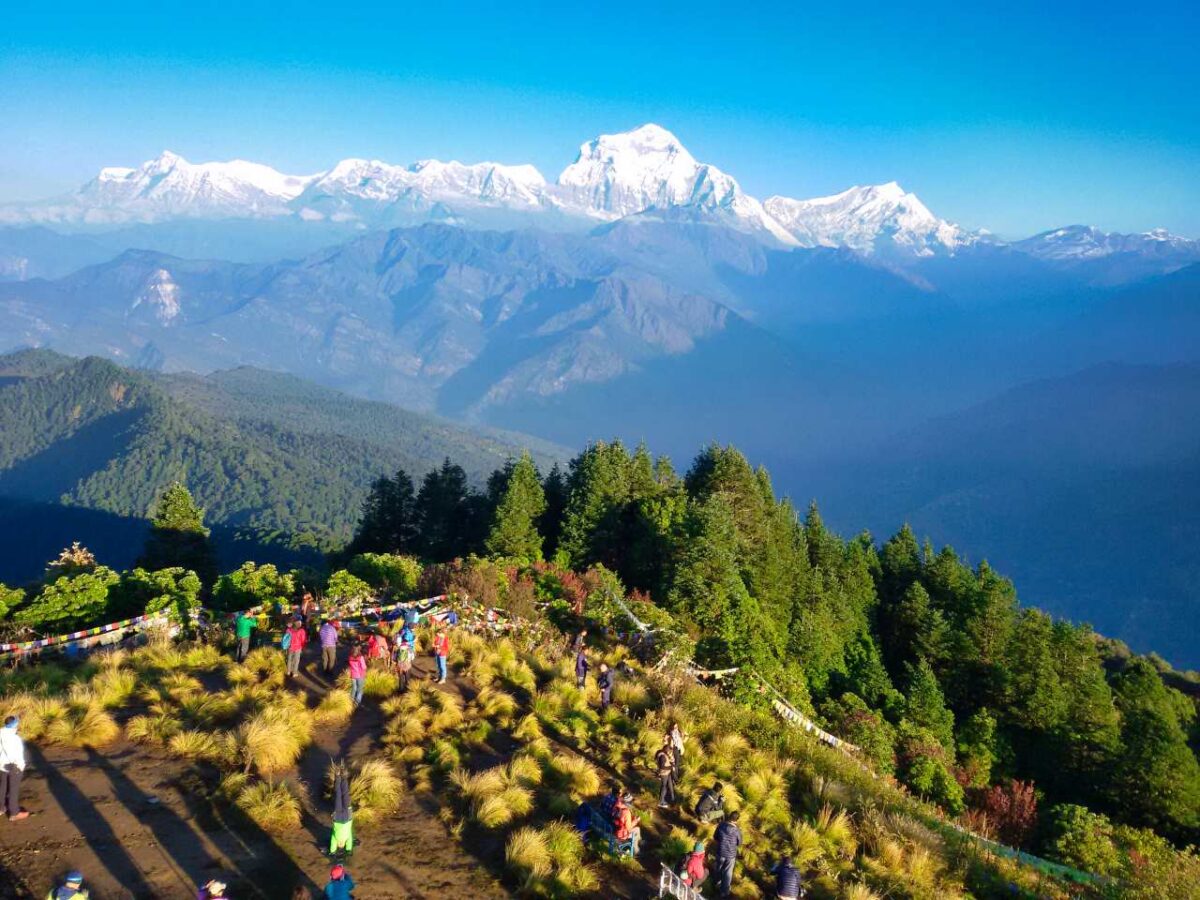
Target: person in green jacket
[[245, 628]]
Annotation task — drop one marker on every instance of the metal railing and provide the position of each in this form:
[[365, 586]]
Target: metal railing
[[671, 885]]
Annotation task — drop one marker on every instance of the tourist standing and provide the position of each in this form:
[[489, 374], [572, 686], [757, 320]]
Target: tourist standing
[[358, 673], [328, 636], [294, 640], [728, 839], [12, 769], [441, 652]]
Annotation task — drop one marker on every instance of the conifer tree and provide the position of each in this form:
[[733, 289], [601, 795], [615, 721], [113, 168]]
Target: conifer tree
[[178, 538], [550, 523], [514, 525], [451, 516], [926, 706], [389, 518]]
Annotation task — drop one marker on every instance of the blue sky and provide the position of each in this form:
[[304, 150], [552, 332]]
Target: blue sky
[[1017, 118]]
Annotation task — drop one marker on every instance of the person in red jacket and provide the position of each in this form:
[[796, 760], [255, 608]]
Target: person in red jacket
[[441, 651], [293, 644], [692, 872]]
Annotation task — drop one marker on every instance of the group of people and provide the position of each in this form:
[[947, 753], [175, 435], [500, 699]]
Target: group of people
[[339, 887], [605, 677]]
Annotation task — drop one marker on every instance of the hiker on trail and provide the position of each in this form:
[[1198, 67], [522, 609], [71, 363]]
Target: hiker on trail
[[787, 880], [581, 669], [604, 681], [406, 652], [625, 823], [72, 888], [358, 674], [343, 816], [377, 649], [307, 607], [244, 628], [328, 636], [728, 839], [212, 890], [691, 869], [341, 885], [580, 642], [675, 737], [441, 651], [711, 805], [664, 759], [294, 640], [12, 769], [411, 616]]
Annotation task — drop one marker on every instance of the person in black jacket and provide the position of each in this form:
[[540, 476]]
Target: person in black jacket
[[604, 681], [728, 840], [711, 805], [787, 880]]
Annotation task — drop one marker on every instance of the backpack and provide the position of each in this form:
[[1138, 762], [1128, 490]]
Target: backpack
[[286, 641]]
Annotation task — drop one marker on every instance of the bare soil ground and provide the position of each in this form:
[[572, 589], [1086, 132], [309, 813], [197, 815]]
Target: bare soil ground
[[139, 825]]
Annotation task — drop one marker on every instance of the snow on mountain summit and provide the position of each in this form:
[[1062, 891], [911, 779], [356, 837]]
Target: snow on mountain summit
[[631, 172], [881, 218], [1082, 242]]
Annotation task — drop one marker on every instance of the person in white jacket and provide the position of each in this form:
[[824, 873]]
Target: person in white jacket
[[12, 767]]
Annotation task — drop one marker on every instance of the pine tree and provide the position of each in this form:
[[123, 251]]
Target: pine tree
[[178, 538], [926, 706], [599, 492], [550, 523], [452, 517], [519, 507], [389, 518]]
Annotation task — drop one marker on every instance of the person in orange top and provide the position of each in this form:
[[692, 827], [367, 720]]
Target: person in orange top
[[441, 651]]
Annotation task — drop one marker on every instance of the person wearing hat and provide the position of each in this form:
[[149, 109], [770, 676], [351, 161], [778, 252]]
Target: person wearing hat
[[12, 768], [691, 870], [626, 823], [341, 885], [72, 888], [294, 640], [212, 890]]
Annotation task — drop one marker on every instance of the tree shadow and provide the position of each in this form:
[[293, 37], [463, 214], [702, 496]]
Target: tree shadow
[[92, 826]]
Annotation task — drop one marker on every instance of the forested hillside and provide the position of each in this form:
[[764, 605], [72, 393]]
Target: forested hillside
[[267, 455], [1033, 730]]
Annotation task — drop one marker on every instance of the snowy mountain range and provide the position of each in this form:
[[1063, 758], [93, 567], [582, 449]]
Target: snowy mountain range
[[646, 172]]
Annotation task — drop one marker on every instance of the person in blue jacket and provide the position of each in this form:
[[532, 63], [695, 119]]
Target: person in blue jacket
[[341, 885]]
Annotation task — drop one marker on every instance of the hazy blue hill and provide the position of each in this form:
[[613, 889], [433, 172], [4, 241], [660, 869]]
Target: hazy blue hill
[[1084, 489]]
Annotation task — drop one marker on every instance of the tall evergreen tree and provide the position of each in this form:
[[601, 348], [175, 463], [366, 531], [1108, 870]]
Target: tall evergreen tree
[[178, 538], [926, 706], [389, 518], [519, 507], [550, 523], [599, 491], [452, 518]]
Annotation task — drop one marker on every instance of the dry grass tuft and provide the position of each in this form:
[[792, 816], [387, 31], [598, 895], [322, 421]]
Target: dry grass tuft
[[83, 726], [270, 806]]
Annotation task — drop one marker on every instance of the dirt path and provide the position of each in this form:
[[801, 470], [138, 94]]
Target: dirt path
[[135, 821]]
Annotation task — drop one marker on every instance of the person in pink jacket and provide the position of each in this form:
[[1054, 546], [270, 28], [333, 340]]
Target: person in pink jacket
[[358, 674], [294, 640]]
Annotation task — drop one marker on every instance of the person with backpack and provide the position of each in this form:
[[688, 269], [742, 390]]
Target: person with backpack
[[12, 769], [244, 629], [71, 889], [341, 885], [405, 655], [691, 869], [357, 664], [625, 823], [328, 636], [604, 681], [441, 652], [728, 838], [293, 643], [377, 649], [664, 759], [342, 838], [711, 805], [581, 669], [787, 880]]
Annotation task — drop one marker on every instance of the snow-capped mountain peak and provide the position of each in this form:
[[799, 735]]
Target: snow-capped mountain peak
[[1082, 242], [879, 218], [616, 175]]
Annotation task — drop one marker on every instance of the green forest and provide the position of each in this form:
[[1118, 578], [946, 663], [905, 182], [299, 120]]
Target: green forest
[[1038, 732]]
